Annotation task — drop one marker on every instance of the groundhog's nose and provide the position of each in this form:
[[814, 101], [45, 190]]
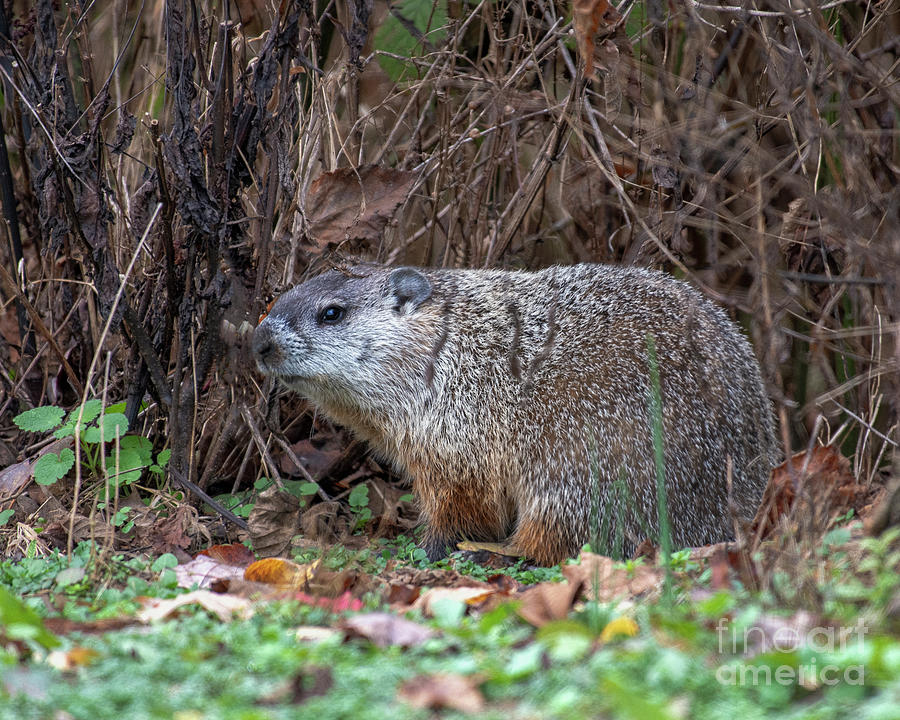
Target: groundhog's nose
[[263, 345]]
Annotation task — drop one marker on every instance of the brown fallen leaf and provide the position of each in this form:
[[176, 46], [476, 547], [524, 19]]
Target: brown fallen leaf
[[599, 579], [384, 629], [546, 602], [273, 522], [225, 607], [232, 554], [436, 692], [355, 204], [816, 485], [595, 578], [65, 626]]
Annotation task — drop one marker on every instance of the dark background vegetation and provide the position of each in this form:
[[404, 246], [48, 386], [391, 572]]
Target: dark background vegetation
[[168, 168]]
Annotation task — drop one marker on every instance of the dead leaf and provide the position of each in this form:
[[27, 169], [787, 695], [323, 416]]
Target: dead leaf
[[587, 16], [236, 554], [400, 594], [83, 528], [546, 602], [886, 513], [281, 572], [818, 484], [432, 577], [384, 629], [73, 658], [323, 522], [601, 580], [619, 627], [274, 520], [225, 607], [309, 682], [596, 578], [725, 558], [205, 571], [14, 478], [355, 204], [506, 549], [471, 596], [314, 633], [436, 692], [341, 604], [171, 533], [315, 457]]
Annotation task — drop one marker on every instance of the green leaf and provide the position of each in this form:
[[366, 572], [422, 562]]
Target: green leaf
[[139, 444], [19, 620], [5, 515], [566, 640], [69, 576], [114, 424], [166, 560], [359, 497], [92, 410], [40, 419], [428, 17], [163, 458], [52, 467], [131, 462]]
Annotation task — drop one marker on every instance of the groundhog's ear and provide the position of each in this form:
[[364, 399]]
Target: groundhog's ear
[[409, 288]]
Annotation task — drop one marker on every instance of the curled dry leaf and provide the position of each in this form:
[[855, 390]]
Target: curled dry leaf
[[281, 572], [619, 627], [274, 520], [385, 629], [587, 16], [820, 480], [546, 602], [436, 692]]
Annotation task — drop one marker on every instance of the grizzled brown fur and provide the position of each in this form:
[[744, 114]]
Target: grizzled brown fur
[[518, 403]]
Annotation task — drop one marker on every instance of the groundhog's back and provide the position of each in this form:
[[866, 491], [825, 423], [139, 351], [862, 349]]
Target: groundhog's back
[[543, 380]]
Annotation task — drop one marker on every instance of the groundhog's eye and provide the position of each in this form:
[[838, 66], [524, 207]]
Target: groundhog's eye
[[331, 315]]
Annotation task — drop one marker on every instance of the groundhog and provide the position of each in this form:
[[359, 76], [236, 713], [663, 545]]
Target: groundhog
[[519, 404]]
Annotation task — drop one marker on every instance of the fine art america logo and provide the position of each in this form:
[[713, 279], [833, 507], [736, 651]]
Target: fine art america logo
[[826, 645]]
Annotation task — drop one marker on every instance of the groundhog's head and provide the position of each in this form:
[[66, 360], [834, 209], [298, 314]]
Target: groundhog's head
[[345, 333]]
